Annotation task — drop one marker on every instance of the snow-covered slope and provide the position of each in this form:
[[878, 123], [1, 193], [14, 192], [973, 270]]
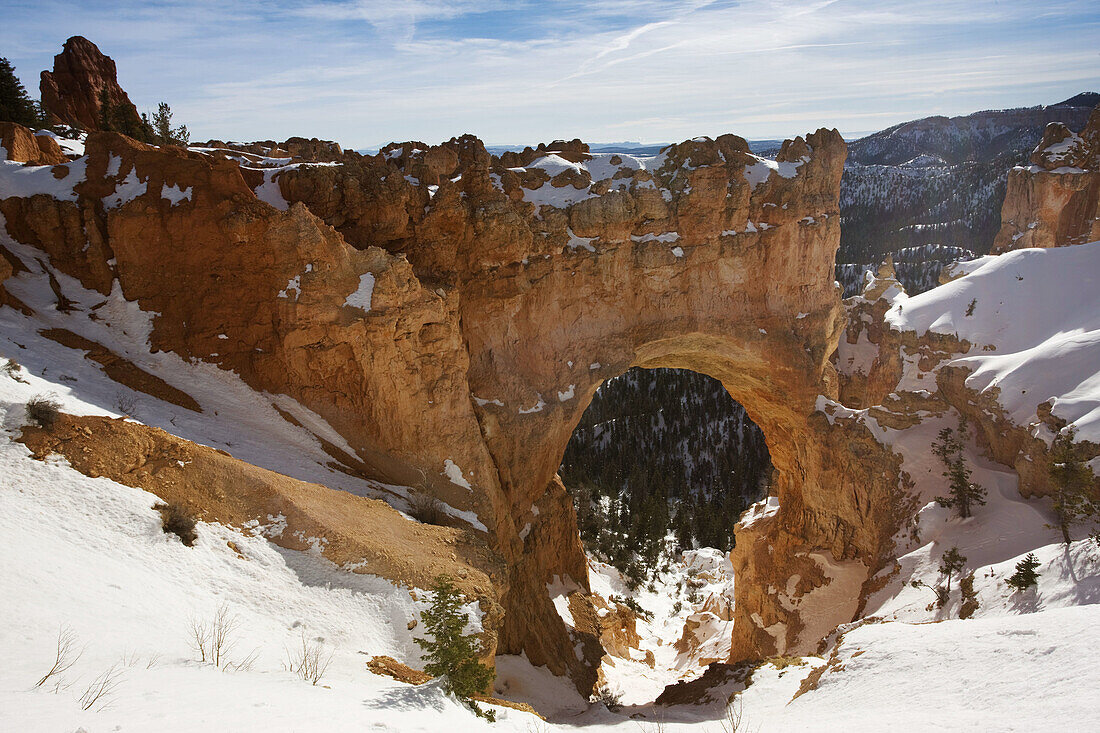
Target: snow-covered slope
[[1039, 310]]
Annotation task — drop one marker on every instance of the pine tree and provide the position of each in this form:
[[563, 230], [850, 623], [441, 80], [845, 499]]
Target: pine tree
[[451, 654], [963, 493], [15, 105], [163, 131], [951, 563], [123, 118], [1025, 575], [1076, 499]]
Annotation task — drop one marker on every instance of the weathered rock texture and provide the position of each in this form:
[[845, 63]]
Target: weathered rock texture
[[22, 146], [458, 339], [71, 93], [1054, 201]]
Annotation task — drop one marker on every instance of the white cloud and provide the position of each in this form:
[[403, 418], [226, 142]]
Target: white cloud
[[367, 72]]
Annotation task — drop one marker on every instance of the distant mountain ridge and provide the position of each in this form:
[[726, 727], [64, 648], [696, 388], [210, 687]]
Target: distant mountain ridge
[[940, 180]]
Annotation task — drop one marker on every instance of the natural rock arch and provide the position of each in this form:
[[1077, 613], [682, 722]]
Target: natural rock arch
[[482, 300]]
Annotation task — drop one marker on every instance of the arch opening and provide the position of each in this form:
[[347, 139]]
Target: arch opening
[[662, 461]]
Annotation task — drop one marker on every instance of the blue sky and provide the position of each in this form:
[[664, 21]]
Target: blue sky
[[364, 72]]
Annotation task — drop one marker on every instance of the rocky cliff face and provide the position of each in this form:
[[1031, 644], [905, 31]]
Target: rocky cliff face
[[450, 315], [82, 74], [1054, 201]]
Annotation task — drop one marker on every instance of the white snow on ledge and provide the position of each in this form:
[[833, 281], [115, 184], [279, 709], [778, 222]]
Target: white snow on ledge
[[454, 473], [559, 589], [567, 394], [175, 194], [768, 507], [125, 192], [759, 172], [362, 296], [536, 408]]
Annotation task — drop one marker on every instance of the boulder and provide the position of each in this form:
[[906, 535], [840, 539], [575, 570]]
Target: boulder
[[23, 146]]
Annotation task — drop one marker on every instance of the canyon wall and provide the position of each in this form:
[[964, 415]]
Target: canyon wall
[[450, 315]]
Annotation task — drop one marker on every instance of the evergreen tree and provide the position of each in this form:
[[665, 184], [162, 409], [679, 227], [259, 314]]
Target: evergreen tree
[[15, 105], [1076, 499], [124, 119], [451, 654], [963, 493], [163, 131], [1025, 575], [951, 563]]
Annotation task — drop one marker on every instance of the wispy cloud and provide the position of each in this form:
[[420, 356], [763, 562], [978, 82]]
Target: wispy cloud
[[369, 71]]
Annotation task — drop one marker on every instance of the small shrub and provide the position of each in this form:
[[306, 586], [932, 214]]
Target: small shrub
[[426, 508], [970, 308], [608, 698], [14, 370], [215, 640], [175, 519], [309, 660], [125, 403], [969, 596], [43, 410], [66, 656], [632, 603], [732, 721], [98, 694]]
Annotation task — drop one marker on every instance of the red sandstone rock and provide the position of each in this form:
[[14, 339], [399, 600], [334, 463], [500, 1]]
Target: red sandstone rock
[[81, 73], [23, 146]]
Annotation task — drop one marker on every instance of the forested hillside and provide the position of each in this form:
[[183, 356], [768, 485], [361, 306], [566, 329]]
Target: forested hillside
[[939, 180], [662, 451]]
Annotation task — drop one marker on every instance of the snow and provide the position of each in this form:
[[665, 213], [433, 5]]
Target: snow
[[583, 242], [1040, 310], [759, 171], [269, 192], [362, 296], [126, 191], [26, 181], [454, 473], [175, 194], [568, 394], [559, 589], [295, 284], [763, 509], [667, 237], [677, 252], [89, 554], [537, 407]]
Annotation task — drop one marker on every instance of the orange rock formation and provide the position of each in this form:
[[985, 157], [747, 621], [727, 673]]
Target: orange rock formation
[[451, 314]]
